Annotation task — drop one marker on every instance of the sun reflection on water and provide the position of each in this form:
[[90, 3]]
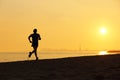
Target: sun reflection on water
[[103, 53]]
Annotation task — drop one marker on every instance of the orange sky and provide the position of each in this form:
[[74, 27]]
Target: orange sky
[[63, 24]]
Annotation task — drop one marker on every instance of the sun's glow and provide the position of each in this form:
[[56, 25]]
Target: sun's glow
[[103, 53], [103, 30]]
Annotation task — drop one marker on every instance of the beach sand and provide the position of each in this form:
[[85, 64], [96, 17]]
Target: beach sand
[[105, 67]]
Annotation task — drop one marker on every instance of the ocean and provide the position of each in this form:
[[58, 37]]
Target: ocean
[[21, 56]]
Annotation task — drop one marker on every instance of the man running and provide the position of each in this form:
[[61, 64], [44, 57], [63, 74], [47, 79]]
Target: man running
[[33, 38]]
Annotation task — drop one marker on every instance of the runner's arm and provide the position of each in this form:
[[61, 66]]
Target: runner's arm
[[29, 38], [39, 37]]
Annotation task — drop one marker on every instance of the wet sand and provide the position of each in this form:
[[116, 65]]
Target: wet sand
[[75, 68]]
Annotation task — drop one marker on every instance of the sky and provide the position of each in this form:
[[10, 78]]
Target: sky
[[62, 24]]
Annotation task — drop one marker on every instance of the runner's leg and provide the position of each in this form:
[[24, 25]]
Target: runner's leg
[[35, 50]]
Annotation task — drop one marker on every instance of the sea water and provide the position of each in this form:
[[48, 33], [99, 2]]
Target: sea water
[[21, 56]]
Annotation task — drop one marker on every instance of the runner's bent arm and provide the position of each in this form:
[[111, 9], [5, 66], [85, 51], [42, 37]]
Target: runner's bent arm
[[39, 37], [30, 39]]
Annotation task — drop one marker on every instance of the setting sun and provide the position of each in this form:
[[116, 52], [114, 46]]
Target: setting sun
[[103, 30]]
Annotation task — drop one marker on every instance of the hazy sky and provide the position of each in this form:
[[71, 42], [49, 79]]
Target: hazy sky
[[63, 24]]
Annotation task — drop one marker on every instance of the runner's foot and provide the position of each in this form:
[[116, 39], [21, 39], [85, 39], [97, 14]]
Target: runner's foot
[[36, 58], [29, 54]]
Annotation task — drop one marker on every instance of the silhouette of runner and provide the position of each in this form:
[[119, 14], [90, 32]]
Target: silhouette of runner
[[33, 38]]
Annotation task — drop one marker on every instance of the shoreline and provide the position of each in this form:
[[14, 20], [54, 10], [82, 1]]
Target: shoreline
[[18, 56], [72, 68]]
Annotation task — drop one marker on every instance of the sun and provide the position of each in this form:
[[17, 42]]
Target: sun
[[103, 31]]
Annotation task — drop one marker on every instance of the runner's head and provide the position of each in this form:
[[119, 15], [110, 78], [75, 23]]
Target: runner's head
[[35, 30]]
